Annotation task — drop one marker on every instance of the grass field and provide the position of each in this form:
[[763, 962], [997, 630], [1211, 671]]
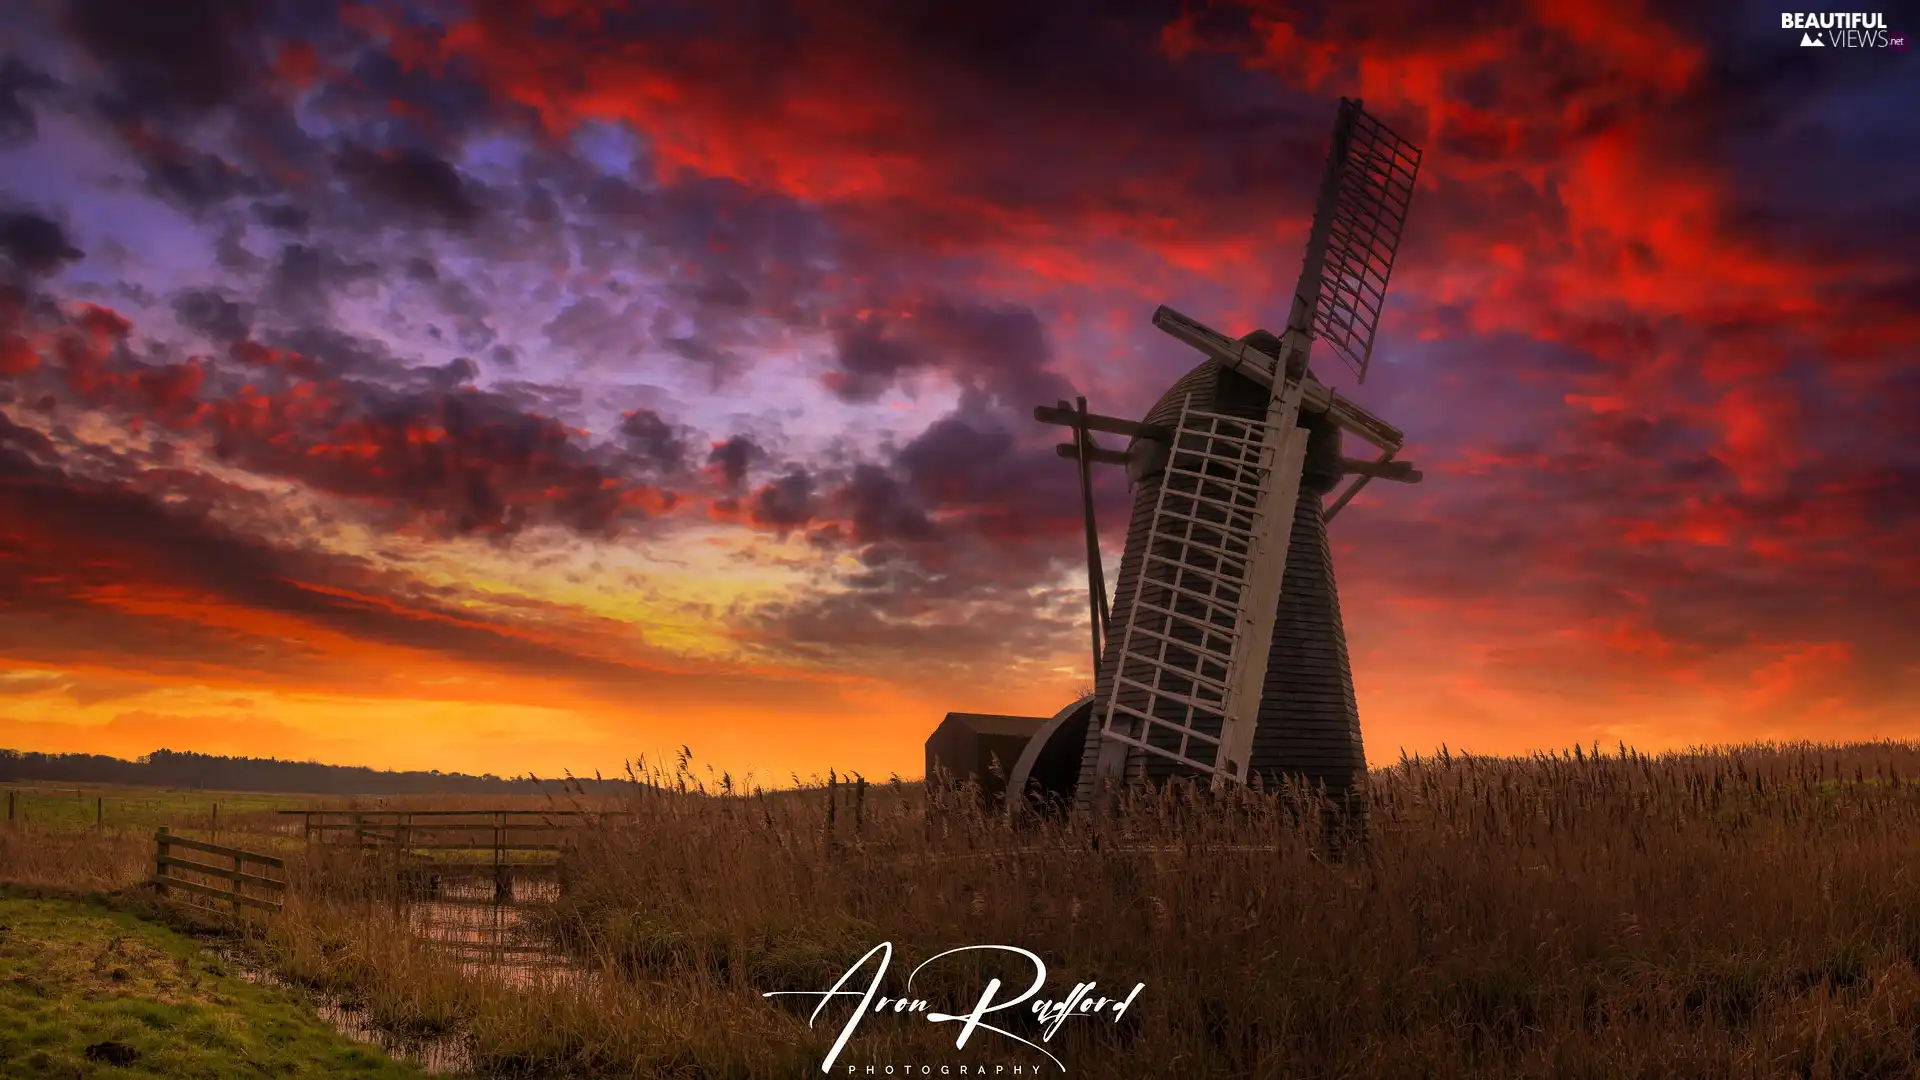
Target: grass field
[[72, 806], [86, 991], [1747, 912]]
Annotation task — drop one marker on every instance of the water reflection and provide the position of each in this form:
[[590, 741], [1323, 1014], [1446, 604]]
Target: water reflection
[[488, 937], [443, 1055]]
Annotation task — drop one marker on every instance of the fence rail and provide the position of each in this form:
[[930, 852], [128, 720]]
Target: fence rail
[[438, 846], [498, 832], [166, 867]]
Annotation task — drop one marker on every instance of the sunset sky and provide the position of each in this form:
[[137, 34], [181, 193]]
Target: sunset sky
[[533, 384]]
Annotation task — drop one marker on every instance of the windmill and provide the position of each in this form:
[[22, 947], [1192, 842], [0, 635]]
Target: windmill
[[1223, 655]]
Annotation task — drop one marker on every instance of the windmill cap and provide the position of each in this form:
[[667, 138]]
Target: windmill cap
[[1265, 341]]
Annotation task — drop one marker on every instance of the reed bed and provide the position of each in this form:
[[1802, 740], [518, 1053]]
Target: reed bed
[[1749, 911]]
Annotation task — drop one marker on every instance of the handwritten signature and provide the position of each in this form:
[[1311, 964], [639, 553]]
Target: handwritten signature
[[1080, 1002]]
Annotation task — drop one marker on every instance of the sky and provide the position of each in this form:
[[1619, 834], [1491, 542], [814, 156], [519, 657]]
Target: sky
[[524, 386]]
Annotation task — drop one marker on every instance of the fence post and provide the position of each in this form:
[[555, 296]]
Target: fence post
[[99, 812], [216, 823], [160, 850], [10, 794], [238, 885]]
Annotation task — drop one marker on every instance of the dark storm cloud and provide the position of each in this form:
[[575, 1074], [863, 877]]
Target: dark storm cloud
[[784, 504], [305, 277], [999, 351], [190, 177], [457, 372], [35, 244], [732, 459], [414, 181], [194, 55], [23, 451], [869, 361], [219, 318], [286, 217], [18, 81], [422, 106], [658, 443], [964, 517], [879, 508], [337, 352]]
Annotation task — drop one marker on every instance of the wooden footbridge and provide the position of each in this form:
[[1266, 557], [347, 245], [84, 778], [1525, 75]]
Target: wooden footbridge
[[439, 847]]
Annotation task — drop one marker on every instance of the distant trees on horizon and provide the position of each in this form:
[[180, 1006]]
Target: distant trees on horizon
[[187, 769]]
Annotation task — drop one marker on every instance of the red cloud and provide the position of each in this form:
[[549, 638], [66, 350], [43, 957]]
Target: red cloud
[[450, 462]]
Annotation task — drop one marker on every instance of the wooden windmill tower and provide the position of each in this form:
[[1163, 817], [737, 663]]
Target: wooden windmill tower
[[1224, 655]]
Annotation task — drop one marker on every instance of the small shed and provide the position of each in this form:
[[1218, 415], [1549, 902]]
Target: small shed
[[967, 744]]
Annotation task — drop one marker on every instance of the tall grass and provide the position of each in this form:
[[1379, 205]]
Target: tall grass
[[1740, 912], [62, 857]]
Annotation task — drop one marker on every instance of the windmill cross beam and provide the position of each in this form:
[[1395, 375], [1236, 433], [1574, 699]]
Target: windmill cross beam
[[1399, 472], [1066, 416], [1247, 359]]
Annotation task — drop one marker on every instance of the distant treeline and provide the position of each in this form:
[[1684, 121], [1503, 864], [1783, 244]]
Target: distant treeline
[[176, 769]]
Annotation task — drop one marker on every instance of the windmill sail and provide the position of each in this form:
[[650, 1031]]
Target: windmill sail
[[1362, 210]]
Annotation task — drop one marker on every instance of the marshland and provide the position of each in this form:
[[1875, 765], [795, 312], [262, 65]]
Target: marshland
[[1747, 911]]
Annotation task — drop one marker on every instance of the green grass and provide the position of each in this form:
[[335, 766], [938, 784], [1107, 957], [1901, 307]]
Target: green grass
[[76, 805], [75, 975]]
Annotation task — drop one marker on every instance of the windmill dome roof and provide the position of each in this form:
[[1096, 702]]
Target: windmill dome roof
[[1215, 390]]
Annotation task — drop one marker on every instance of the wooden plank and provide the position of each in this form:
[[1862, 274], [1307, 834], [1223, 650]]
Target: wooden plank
[[168, 840], [160, 848], [477, 826], [371, 815], [487, 847], [1112, 425], [1401, 472], [170, 883], [1364, 424], [223, 872], [469, 866], [483, 834]]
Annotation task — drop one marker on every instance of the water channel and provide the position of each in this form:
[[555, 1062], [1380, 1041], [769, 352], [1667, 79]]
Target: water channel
[[483, 934]]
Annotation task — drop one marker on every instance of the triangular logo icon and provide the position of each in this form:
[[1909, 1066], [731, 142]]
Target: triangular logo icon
[[1807, 39]]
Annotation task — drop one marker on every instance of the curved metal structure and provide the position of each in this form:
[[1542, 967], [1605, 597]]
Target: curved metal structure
[[1048, 770]]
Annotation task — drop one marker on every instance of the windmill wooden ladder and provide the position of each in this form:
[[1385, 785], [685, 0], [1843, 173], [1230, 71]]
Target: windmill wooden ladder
[[1214, 559]]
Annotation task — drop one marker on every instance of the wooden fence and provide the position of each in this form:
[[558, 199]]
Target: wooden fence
[[167, 867], [442, 846]]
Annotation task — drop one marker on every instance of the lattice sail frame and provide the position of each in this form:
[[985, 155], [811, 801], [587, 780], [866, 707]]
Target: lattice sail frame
[[1365, 208], [1194, 647]]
